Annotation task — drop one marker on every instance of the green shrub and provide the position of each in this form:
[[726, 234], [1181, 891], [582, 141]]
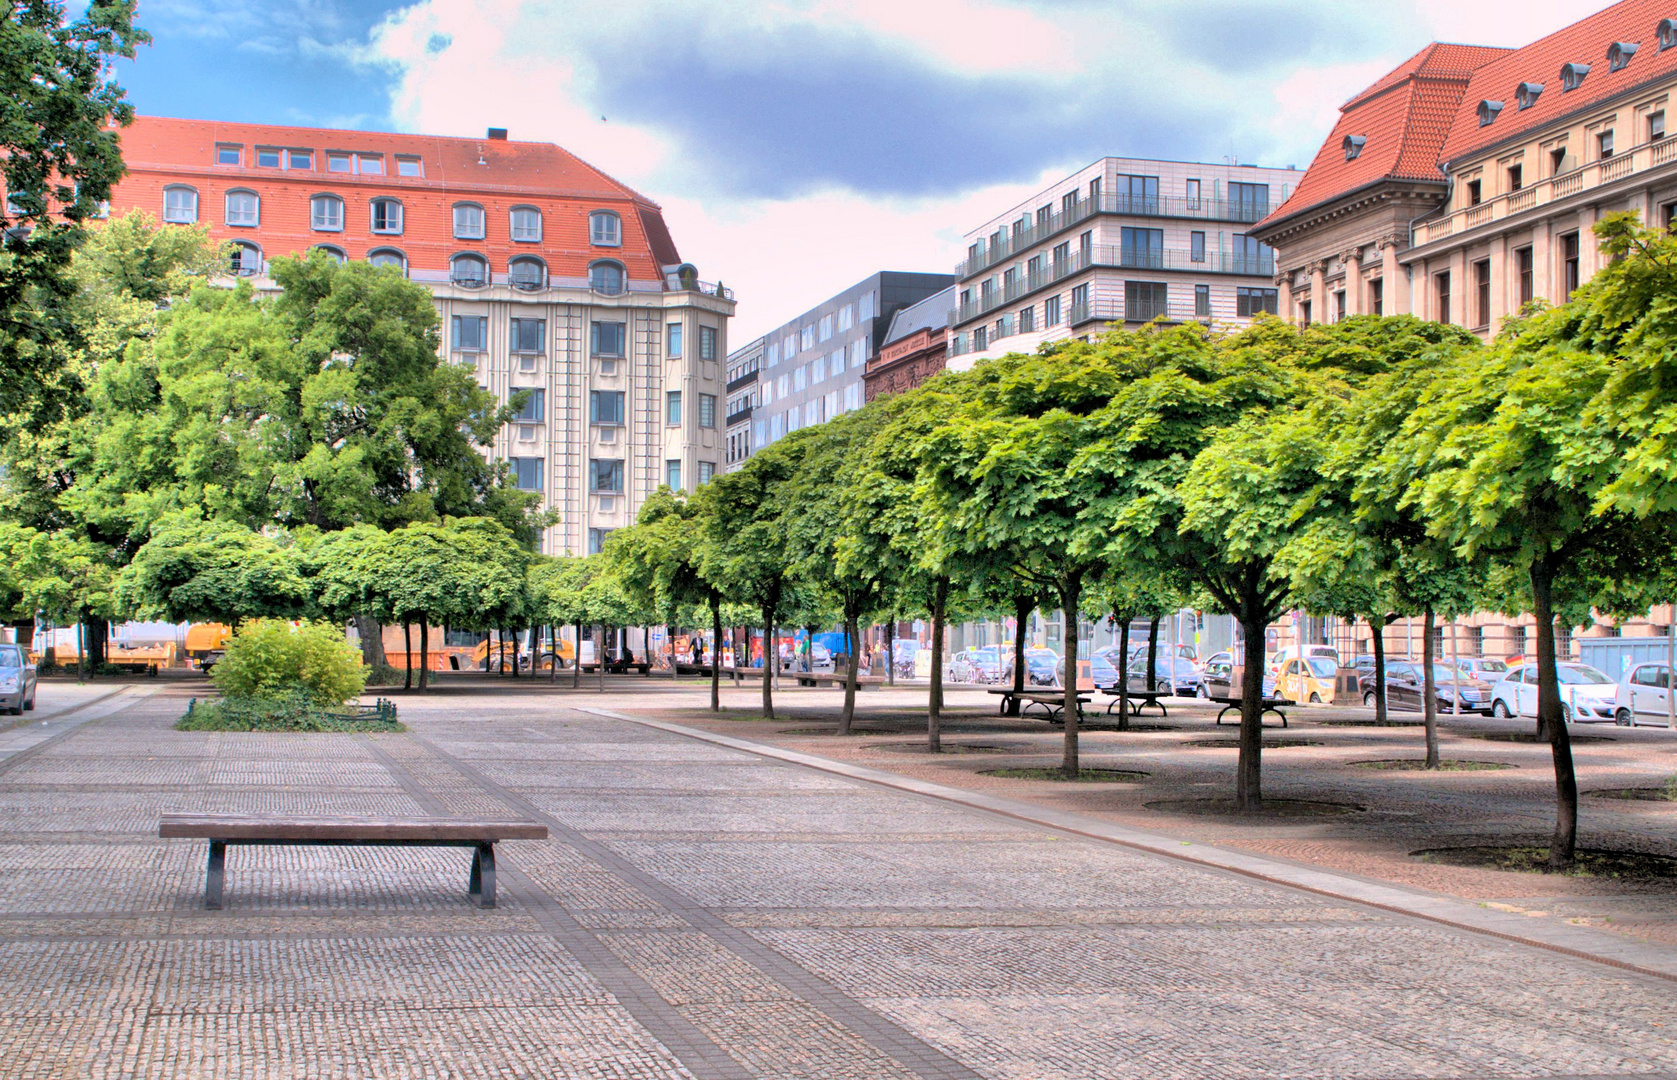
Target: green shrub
[[291, 710], [267, 658]]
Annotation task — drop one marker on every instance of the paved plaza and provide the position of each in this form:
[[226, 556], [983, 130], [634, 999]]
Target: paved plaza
[[701, 910]]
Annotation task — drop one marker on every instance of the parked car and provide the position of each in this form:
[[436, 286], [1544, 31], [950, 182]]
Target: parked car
[[1103, 666], [1586, 694], [1484, 668], [1643, 695], [1138, 649], [1173, 675], [17, 679], [977, 665], [1310, 679], [1281, 656], [1406, 690], [1042, 667]]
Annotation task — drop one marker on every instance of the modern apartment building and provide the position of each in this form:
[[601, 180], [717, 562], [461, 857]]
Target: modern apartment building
[[915, 348], [550, 277], [1464, 184], [743, 391], [1124, 240], [811, 369]]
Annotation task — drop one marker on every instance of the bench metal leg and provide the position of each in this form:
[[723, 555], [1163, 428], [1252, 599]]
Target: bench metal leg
[[214, 874], [482, 884]]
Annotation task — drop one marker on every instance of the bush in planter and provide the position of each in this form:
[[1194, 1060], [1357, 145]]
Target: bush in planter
[[268, 658]]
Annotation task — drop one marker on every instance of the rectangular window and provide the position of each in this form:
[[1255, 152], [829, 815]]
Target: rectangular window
[[607, 338], [1248, 202], [672, 473], [1482, 292], [242, 208], [387, 216], [846, 317], [672, 407], [1523, 270], [799, 377], [789, 347], [471, 333], [1027, 319], [1193, 194], [409, 166], [806, 337], [1377, 296], [1044, 218], [1144, 301], [1062, 258], [1569, 266], [229, 155], [1145, 247], [1086, 246], [530, 412], [707, 469], [707, 343], [1475, 193], [339, 163], [1196, 246], [673, 340], [1604, 144], [1557, 161], [859, 352], [528, 335], [1079, 303], [327, 214], [1250, 302], [369, 164], [597, 540], [180, 205], [1202, 301], [605, 407], [818, 370], [267, 159], [1442, 289], [1138, 195], [300, 159], [468, 222], [1656, 126], [526, 473], [1095, 192], [1516, 177], [1304, 309], [1051, 311], [868, 308], [605, 474], [835, 363], [1033, 271], [825, 331], [980, 339]]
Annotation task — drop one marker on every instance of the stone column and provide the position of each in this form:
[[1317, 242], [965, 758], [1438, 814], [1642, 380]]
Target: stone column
[[1458, 287], [1543, 269], [1353, 261], [1589, 256], [1319, 291], [1284, 294], [1394, 292], [1499, 283]]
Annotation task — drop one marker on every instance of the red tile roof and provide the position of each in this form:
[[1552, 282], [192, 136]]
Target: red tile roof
[[1586, 42], [1403, 118]]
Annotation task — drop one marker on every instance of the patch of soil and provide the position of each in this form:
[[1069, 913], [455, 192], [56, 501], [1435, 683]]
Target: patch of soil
[[1419, 722], [855, 729], [1273, 808], [1420, 765], [1269, 744], [1531, 737], [1086, 726], [1668, 793], [1590, 862], [948, 748], [1084, 776]]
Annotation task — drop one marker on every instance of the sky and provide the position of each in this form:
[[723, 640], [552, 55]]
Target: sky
[[799, 145]]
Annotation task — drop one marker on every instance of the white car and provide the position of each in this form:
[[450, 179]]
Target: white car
[[1586, 694], [1643, 695]]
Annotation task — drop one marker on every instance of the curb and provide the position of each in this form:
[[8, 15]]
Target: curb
[[1583, 943]]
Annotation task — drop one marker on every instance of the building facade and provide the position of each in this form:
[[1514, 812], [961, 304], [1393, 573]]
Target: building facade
[[915, 348], [744, 390], [549, 276], [1125, 241], [812, 368]]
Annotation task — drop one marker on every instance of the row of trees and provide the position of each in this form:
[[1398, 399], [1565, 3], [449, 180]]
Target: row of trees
[[1376, 468]]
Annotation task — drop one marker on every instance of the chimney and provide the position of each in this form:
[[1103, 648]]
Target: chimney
[[498, 134]]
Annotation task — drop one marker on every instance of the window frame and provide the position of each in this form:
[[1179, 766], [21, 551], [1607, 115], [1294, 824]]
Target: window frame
[[622, 338], [227, 208], [707, 342], [518, 464], [594, 234], [672, 408], [534, 409], [401, 258], [373, 206], [482, 345], [613, 472], [602, 264], [515, 327], [512, 223], [618, 398], [527, 260], [465, 256], [482, 221], [403, 160], [318, 199], [250, 246], [193, 220], [238, 150]]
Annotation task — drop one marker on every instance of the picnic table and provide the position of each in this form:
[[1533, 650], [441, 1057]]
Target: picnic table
[[1270, 705], [1138, 699], [224, 829], [1052, 702]]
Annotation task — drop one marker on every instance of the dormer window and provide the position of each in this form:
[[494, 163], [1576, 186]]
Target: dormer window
[[1619, 54], [1488, 111], [1526, 95], [1667, 33], [1353, 145], [1572, 76]]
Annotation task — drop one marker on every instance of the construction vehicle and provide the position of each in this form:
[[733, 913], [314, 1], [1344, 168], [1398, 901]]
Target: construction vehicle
[[206, 644]]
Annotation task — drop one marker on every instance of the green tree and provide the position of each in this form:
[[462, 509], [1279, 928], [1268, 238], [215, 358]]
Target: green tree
[[209, 570]]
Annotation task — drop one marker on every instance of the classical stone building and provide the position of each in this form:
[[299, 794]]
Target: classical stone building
[[916, 347]]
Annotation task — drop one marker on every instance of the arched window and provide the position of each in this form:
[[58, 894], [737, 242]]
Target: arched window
[[606, 278], [527, 273], [388, 257], [245, 259], [470, 271], [605, 229], [243, 208], [326, 213], [180, 205], [526, 224], [468, 221], [336, 254], [387, 217]]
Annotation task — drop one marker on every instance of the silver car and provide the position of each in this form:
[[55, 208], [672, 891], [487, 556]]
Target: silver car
[[17, 680]]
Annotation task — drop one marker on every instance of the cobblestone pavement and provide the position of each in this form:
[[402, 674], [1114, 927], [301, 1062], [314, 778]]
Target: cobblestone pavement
[[703, 912]]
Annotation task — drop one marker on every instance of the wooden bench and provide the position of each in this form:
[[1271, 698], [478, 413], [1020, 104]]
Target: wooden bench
[[223, 829], [1269, 705], [1052, 702], [1138, 699]]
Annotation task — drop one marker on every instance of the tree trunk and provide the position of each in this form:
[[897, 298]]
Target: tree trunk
[[1248, 791], [407, 654], [891, 652], [1429, 687], [715, 653], [1551, 719], [1124, 674], [424, 655], [1071, 599], [1022, 608], [95, 632], [934, 695], [850, 631], [372, 641], [1379, 668], [600, 657], [1153, 655], [576, 659], [768, 687]]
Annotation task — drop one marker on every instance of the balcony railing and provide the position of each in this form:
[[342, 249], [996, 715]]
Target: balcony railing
[[738, 417], [1136, 312], [742, 380], [1637, 159], [1244, 211], [1114, 255]]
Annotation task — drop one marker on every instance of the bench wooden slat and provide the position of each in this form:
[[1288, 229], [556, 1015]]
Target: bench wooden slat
[[275, 827]]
